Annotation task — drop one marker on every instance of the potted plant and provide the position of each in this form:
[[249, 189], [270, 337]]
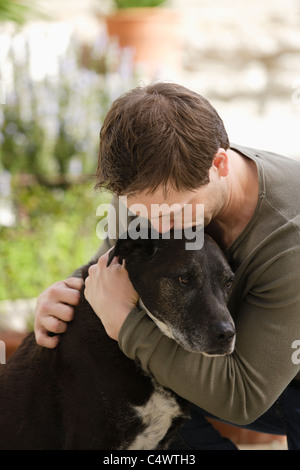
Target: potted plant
[[149, 31]]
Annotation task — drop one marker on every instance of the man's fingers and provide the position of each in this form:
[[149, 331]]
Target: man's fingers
[[61, 310], [43, 339], [59, 293], [54, 325], [74, 282], [92, 269], [102, 261], [55, 307]]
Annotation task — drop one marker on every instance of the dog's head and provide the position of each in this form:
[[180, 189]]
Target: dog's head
[[184, 291]]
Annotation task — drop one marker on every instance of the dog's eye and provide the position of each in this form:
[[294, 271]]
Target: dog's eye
[[184, 280], [228, 284]]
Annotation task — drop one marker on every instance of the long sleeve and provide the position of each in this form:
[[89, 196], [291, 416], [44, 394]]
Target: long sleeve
[[242, 386], [264, 303]]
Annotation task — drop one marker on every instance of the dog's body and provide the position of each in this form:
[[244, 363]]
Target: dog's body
[[86, 394]]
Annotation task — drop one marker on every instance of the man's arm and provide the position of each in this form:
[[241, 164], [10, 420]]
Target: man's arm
[[242, 386]]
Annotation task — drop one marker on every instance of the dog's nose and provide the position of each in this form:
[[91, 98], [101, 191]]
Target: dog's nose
[[225, 332]]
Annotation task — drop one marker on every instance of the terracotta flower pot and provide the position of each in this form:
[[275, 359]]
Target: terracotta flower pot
[[151, 33]]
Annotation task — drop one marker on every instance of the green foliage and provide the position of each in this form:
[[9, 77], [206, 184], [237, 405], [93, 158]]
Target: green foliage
[[49, 124], [138, 3], [17, 11], [49, 128], [14, 11], [55, 234]]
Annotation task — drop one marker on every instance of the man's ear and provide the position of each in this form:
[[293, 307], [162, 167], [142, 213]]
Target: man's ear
[[129, 248], [220, 162]]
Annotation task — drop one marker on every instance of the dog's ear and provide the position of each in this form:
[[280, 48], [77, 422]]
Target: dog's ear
[[128, 249]]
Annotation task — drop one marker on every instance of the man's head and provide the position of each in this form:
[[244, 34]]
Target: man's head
[[160, 136]]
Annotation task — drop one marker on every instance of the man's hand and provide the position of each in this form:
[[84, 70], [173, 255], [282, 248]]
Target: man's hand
[[55, 307], [110, 293]]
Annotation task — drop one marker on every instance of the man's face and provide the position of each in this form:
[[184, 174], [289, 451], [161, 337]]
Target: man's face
[[173, 206]]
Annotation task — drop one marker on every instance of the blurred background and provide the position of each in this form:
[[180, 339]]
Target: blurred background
[[63, 62]]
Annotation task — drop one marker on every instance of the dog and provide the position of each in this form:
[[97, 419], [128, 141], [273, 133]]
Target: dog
[[85, 393]]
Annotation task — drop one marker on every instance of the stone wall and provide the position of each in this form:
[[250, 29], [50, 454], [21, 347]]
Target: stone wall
[[245, 57], [242, 55]]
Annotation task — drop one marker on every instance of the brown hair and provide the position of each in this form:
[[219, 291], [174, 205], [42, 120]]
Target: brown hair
[[156, 136]]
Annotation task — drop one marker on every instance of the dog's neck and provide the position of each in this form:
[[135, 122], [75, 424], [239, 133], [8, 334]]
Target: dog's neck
[[162, 326]]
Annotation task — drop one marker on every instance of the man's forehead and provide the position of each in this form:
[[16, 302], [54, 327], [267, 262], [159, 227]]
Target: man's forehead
[[172, 198]]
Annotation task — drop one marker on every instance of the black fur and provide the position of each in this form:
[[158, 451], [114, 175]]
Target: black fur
[[81, 395]]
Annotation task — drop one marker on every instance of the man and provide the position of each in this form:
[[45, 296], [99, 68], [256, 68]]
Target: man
[[165, 144]]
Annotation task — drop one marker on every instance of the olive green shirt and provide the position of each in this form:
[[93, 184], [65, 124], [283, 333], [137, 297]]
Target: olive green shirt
[[264, 303]]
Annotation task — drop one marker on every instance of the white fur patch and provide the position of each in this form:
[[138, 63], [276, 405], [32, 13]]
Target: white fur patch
[[162, 326], [157, 416]]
